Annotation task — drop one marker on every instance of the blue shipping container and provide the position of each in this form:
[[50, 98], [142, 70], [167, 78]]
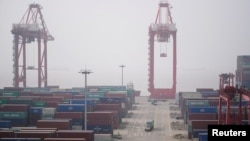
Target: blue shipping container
[[202, 109], [100, 128], [203, 136], [36, 110], [18, 122], [196, 132], [5, 123], [70, 108]]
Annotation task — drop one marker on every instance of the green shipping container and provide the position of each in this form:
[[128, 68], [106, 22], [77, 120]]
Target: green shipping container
[[39, 104], [10, 93], [96, 95], [3, 101], [197, 103], [20, 101], [13, 115]]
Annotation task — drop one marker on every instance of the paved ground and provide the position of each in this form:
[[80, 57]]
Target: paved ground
[[167, 128]]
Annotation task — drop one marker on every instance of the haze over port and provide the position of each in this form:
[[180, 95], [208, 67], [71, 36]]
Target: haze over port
[[102, 35]]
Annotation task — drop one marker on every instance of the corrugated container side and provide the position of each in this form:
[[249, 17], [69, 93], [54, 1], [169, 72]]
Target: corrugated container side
[[7, 134], [202, 116], [70, 108], [90, 102], [5, 124], [100, 129], [13, 115], [64, 139], [196, 102], [88, 135], [40, 135], [27, 101], [202, 124], [202, 109], [33, 98], [60, 124], [203, 136], [3, 101], [196, 132]]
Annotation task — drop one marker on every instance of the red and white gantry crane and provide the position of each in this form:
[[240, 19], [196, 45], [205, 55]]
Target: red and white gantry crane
[[31, 28], [161, 31]]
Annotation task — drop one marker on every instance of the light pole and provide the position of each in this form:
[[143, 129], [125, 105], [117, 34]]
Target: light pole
[[85, 72], [122, 66]]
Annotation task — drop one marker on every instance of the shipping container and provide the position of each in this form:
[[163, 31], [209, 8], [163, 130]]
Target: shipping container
[[70, 108], [7, 134], [10, 93], [36, 111], [114, 100], [202, 109], [202, 116], [3, 101], [203, 136], [90, 102], [39, 104], [20, 139], [41, 135], [5, 124], [100, 129], [87, 134], [199, 102], [196, 132], [18, 100], [13, 115], [60, 124], [96, 95], [64, 139]]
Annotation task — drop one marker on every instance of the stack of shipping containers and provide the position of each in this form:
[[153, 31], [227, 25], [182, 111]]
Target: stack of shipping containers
[[63, 110], [200, 109]]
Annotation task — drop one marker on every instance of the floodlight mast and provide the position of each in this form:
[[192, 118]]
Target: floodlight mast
[[85, 72]]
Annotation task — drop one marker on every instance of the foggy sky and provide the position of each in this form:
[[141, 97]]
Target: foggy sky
[[101, 35]]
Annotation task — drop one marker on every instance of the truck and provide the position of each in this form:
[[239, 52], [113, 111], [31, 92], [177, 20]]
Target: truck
[[149, 125]]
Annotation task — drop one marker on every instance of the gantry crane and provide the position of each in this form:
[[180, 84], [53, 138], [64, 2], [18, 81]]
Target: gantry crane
[[31, 28], [230, 93], [162, 30]]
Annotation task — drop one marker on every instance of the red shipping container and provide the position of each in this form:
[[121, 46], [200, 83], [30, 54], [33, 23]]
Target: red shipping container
[[99, 115], [99, 107], [99, 122], [52, 98], [202, 124], [14, 107], [60, 124], [88, 135], [64, 139], [69, 115], [7, 134], [35, 134]]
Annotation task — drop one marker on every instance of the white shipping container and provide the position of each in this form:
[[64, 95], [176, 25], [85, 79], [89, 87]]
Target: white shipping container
[[103, 137], [49, 111]]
